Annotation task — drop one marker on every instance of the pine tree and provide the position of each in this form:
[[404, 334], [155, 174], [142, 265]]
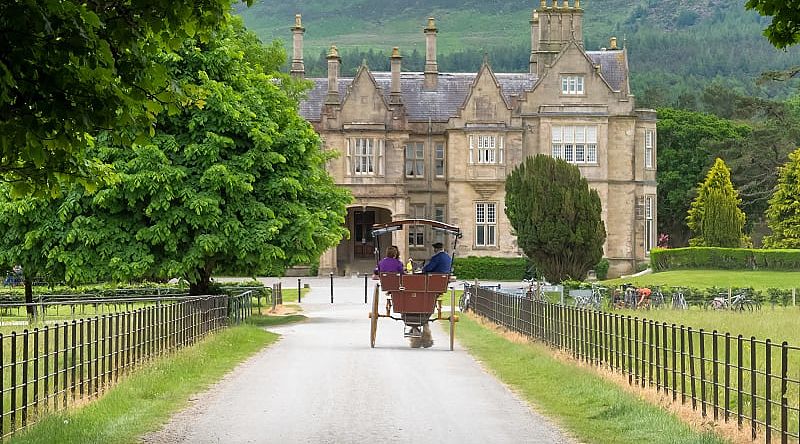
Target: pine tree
[[715, 218], [783, 214], [556, 217]]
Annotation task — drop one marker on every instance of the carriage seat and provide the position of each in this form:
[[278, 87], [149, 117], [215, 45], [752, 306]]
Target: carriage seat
[[429, 283]]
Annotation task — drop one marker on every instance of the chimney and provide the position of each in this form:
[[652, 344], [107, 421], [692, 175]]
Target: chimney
[[333, 76], [431, 68], [613, 44], [298, 68], [395, 96], [534, 42]]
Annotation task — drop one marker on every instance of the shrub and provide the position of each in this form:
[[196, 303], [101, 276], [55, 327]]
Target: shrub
[[601, 269], [490, 268], [724, 259]]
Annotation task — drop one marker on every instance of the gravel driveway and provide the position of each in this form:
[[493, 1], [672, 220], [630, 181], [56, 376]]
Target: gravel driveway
[[322, 383]]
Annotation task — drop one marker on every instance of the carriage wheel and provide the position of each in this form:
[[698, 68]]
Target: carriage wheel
[[373, 316], [452, 316]]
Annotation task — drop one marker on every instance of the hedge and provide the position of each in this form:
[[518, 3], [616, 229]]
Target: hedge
[[491, 268], [724, 259]]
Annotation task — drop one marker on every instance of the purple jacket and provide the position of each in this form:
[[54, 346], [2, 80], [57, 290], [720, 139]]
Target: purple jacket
[[389, 265]]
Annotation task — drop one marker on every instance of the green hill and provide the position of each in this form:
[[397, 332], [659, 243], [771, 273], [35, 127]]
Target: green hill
[[676, 47]]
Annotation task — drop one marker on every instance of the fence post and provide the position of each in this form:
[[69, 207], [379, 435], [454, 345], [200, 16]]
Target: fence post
[[794, 296], [784, 388], [299, 292], [365, 288], [331, 287], [274, 296]]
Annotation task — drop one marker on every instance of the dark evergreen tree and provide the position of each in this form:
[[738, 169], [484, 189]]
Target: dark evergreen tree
[[556, 217]]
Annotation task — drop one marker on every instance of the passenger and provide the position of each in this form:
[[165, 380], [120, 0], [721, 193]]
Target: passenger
[[391, 263], [440, 261]]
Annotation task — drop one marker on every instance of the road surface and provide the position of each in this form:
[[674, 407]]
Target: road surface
[[322, 383]]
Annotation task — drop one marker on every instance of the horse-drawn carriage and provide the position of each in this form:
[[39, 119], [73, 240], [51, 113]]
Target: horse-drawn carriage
[[413, 297]]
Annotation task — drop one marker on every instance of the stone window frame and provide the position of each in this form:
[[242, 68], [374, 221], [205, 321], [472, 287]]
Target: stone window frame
[[485, 224], [416, 161], [649, 149], [573, 85], [439, 159], [365, 153], [487, 148], [416, 233], [568, 143], [649, 223]]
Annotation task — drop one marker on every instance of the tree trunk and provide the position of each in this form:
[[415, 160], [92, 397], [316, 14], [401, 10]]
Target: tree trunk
[[29, 299], [201, 286]]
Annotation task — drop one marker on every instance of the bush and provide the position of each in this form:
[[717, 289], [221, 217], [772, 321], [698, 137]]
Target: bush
[[490, 268], [601, 269], [724, 259]]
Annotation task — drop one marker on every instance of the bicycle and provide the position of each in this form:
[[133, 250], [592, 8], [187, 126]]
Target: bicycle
[[464, 302], [739, 301], [678, 299], [593, 300], [657, 298]]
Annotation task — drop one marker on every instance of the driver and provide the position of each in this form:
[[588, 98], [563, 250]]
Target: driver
[[440, 262]]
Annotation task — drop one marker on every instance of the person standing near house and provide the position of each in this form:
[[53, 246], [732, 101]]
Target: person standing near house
[[440, 261]]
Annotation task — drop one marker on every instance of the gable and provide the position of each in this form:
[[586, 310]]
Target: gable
[[364, 101], [485, 102]]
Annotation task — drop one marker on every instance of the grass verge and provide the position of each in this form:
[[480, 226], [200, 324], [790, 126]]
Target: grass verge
[[587, 406], [145, 400]]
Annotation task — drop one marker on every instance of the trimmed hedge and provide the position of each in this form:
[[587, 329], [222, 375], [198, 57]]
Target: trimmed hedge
[[724, 259], [491, 268]]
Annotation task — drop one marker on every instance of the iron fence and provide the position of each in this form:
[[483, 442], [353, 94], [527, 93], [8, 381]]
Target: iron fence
[[732, 378], [47, 369]]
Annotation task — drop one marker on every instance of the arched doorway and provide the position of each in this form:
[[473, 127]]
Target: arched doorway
[[357, 254]]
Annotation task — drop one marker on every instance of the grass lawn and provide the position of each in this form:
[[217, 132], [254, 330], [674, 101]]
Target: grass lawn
[[144, 401], [587, 406], [759, 280]]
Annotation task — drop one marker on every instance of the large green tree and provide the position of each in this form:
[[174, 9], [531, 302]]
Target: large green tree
[[714, 216], [70, 68], [235, 181], [556, 217], [783, 214], [687, 143]]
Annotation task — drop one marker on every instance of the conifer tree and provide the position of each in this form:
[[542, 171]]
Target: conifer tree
[[556, 217], [783, 214], [715, 218]]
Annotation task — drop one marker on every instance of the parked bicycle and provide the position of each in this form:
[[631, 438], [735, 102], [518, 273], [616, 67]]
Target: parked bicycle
[[740, 301], [592, 298], [678, 299]]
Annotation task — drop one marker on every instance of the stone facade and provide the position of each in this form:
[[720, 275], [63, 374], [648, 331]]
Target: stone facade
[[439, 145]]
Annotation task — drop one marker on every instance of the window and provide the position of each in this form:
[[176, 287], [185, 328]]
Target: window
[[415, 159], [416, 233], [485, 149], [649, 235], [438, 158], [648, 148], [365, 156], [572, 85], [439, 216], [485, 224], [575, 144]]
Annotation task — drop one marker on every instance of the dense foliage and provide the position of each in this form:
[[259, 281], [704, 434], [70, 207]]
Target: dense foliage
[[783, 214], [234, 179], [555, 216], [490, 268], [714, 216], [724, 259], [687, 142], [785, 27], [69, 69]]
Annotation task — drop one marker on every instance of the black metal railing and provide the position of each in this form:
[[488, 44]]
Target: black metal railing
[[47, 369], [732, 378]]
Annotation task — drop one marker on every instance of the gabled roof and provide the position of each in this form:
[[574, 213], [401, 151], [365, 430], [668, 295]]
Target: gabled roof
[[452, 88]]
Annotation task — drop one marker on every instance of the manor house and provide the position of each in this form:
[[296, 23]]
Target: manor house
[[439, 145]]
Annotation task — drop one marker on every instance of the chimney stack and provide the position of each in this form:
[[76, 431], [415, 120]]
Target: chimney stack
[[431, 67], [395, 97], [532, 64], [333, 76], [298, 68]]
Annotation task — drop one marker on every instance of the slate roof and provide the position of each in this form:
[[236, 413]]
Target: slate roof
[[452, 88]]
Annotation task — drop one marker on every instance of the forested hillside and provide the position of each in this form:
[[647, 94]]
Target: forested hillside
[[676, 47]]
